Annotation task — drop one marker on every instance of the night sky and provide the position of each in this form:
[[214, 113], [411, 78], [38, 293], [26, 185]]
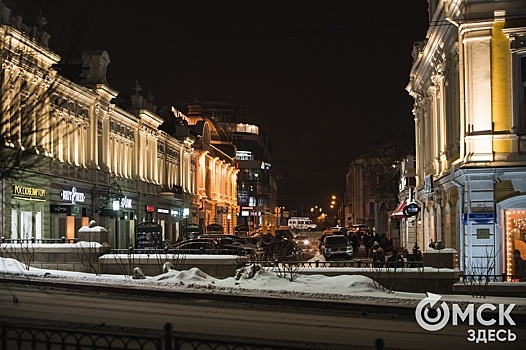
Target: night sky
[[325, 78]]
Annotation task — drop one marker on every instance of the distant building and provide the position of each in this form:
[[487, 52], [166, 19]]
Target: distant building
[[468, 81], [371, 188], [216, 170], [257, 178]]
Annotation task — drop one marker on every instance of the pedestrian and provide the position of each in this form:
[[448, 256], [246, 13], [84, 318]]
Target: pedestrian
[[377, 238], [355, 244], [383, 242], [416, 248], [379, 257], [368, 242]]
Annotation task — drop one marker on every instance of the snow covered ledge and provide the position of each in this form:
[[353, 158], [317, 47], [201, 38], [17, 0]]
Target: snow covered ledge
[[218, 266], [441, 258]]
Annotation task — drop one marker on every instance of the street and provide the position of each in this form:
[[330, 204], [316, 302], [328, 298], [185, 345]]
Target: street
[[301, 326]]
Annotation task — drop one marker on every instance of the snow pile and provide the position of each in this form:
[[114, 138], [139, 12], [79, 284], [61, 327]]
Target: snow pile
[[252, 281]]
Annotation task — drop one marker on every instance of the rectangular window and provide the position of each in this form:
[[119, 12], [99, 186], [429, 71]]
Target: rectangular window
[[522, 94]]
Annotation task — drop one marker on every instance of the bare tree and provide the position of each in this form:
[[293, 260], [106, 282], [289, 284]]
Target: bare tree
[[22, 250], [88, 253], [382, 170], [482, 273], [31, 87]]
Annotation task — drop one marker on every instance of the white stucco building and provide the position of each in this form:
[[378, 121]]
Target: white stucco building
[[90, 155], [468, 81]]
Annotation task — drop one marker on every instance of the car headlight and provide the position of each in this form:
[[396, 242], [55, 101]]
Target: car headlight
[[349, 249]]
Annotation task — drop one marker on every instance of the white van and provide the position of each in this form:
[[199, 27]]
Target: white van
[[301, 224]]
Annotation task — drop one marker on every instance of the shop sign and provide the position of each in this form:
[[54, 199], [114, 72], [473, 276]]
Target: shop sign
[[479, 218], [483, 233], [110, 213], [72, 196], [150, 209], [60, 209], [72, 210], [411, 209], [28, 191], [75, 210], [174, 212], [126, 202], [163, 211]]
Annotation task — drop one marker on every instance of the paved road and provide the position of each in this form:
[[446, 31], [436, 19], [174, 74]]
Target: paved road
[[329, 329]]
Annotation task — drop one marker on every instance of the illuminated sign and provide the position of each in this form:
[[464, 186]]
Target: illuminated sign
[[28, 191], [265, 165], [126, 202], [150, 209], [411, 209], [72, 196], [163, 211]]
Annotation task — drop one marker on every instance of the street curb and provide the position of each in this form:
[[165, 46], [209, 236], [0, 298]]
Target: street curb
[[291, 302], [363, 308]]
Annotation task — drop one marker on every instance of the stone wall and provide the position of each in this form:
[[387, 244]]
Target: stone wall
[[415, 280], [152, 264], [64, 257]]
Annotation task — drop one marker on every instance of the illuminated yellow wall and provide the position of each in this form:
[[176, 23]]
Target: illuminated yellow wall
[[70, 227], [500, 92]]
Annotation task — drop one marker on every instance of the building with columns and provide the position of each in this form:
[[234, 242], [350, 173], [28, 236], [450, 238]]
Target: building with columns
[[216, 171], [468, 81], [90, 153], [257, 177]]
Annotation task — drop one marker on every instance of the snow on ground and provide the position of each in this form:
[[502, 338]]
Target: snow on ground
[[254, 281]]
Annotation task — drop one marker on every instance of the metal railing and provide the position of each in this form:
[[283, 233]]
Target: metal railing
[[483, 278], [334, 263], [38, 240], [153, 251], [25, 337]]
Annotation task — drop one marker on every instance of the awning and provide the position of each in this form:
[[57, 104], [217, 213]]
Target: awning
[[398, 213]]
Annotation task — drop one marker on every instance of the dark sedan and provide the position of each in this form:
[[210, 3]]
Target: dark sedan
[[211, 246]]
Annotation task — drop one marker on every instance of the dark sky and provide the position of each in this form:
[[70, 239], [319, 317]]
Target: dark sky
[[325, 78]]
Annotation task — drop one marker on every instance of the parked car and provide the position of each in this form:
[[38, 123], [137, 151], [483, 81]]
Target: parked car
[[336, 247], [282, 250], [211, 246], [322, 238]]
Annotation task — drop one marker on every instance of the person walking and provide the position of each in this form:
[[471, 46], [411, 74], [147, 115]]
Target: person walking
[[355, 244], [368, 242]]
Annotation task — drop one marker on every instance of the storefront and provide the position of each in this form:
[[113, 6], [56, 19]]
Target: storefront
[[119, 218], [512, 222], [27, 212], [69, 210]]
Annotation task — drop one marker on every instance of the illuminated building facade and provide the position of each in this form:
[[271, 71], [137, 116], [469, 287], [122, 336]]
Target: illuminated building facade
[[256, 177], [216, 171], [468, 81], [98, 156]]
